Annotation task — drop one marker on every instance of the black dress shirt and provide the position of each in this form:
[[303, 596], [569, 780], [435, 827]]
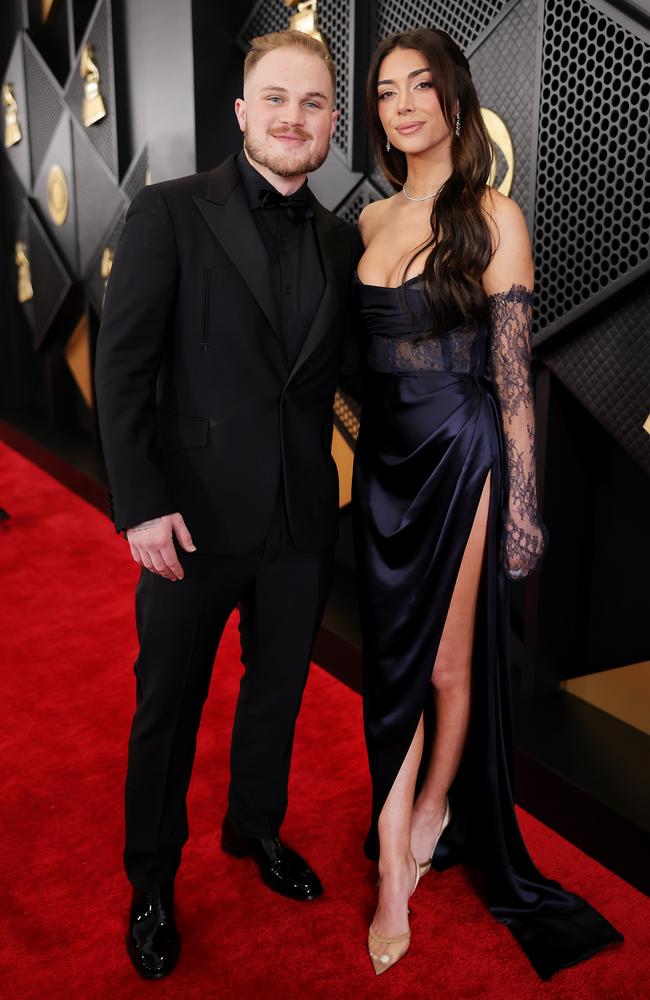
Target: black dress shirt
[[294, 259]]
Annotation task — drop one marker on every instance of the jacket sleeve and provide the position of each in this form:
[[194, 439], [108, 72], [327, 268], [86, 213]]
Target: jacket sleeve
[[138, 311], [355, 345], [510, 332]]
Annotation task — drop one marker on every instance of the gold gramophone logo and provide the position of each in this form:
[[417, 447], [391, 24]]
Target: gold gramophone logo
[[502, 140], [93, 108], [24, 273], [58, 198], [105, 267], [305, 18], [12, 128]]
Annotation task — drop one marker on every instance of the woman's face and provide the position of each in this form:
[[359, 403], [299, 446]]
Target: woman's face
[[408, 104]]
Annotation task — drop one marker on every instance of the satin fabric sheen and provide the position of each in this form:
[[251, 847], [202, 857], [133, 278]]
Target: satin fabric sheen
[[427, 442]]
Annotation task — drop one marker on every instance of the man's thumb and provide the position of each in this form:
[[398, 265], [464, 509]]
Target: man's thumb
[[180, 530]]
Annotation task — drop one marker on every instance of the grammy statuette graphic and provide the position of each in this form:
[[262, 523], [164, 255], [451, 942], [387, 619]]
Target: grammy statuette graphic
[[305, 18], [12, 128], [93, 109], [25, 290]]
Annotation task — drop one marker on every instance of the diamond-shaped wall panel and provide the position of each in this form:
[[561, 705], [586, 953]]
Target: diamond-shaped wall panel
[[98, 196], [50, 190], [362, 195], [512, 94], [103, 133], [44, 104], [18, 154], [608, 369], [50, 279]]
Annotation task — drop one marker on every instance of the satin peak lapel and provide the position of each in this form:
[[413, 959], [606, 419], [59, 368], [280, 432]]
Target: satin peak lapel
[[328, 305], [233, 226]]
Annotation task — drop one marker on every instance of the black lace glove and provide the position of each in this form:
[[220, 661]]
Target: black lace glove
[[510, 324]]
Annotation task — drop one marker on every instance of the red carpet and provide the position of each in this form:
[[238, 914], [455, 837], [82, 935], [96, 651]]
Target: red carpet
[[67, 650]]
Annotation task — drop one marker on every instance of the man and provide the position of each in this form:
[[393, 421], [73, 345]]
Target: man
[[217, 360]]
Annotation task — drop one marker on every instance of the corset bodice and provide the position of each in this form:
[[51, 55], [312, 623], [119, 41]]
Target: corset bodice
[[398, 326]]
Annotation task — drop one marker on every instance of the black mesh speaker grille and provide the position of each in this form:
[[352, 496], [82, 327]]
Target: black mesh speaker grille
[[463, 19], [607, 368], [45, 104], [98, 196], [592, 194], [512, 94], [59, 153], [103, 134], [136, 176], [335, 24], [350, 209]]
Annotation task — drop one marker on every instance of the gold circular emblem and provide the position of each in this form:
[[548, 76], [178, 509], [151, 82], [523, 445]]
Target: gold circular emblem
[[57, 195], [501, 138]]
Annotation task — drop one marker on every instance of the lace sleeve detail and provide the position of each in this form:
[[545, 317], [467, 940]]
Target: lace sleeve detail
[[510, 325]]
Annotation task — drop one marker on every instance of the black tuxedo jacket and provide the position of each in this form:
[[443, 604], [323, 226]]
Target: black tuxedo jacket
[[198, 409]]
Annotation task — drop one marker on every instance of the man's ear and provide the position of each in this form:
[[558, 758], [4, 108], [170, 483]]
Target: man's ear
[[240, 111], [335, 117]]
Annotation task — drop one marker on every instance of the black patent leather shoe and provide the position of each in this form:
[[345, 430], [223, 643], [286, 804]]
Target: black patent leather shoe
[[281, 869], [152, 940]]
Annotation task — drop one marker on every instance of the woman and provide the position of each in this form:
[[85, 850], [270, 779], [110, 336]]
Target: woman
[[445, 505]]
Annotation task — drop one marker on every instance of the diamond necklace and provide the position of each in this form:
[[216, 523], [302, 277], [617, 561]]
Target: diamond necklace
[[422, 197]]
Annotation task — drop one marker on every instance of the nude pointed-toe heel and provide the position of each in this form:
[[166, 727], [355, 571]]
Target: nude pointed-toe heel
[[386, 951]]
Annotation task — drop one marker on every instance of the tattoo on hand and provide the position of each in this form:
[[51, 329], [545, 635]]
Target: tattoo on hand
[[145, 525]]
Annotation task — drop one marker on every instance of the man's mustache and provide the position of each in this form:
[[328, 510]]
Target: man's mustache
[[290, 130]]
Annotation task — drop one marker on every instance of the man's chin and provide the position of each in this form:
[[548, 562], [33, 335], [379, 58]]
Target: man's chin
[[292, 165]]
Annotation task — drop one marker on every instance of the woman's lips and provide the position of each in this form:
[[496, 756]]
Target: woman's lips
[[408, 129]]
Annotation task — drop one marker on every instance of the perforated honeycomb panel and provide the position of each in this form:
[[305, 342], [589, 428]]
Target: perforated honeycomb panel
[[608, 369], [592, 193], [44, 104], [98, 196], [347, 414], [103, 134], [59, 154], [512, 94], [335, 24], [464, 20]]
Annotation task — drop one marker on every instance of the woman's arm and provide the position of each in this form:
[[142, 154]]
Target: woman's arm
[[508, 283]]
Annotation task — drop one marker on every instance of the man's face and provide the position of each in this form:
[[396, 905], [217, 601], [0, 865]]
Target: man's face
[[286, 114]]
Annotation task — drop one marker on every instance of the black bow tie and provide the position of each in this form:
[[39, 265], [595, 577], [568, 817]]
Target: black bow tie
[[297, 206]]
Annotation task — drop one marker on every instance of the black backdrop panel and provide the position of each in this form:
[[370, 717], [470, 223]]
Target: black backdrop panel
[[95, 284], [137, 175], [608, 369], [592, 202], [463, 19], [512, 94], [45, 104], [50, 279], [103, 134], [60, 154], [98, 196], [18, 155]]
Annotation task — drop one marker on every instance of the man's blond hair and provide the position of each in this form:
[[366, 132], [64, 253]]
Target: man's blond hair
[[288, 40]]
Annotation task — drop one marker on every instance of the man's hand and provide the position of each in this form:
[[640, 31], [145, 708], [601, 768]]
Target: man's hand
[[152, 545]]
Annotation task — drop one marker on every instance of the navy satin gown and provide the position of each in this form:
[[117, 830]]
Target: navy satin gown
[[431, 432]]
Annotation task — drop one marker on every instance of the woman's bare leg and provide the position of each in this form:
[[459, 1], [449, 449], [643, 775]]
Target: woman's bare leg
[[396, 868], [451, 681]]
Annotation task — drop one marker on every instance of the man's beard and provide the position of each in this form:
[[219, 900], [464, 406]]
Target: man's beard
[[284, 166]]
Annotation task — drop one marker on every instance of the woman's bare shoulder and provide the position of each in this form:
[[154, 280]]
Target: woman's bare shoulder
[[373, 217]]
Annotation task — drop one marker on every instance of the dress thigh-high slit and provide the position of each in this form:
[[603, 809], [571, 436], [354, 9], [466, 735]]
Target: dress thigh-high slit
[[430, 437]]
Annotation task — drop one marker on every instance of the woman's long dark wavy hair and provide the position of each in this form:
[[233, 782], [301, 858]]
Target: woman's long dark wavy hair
[[461, 245]]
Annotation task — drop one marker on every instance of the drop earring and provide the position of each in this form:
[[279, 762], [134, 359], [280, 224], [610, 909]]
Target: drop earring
[[387, 144], [457, 129]]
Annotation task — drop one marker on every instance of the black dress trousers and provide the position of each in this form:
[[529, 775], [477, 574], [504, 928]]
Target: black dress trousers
[[281, 595]]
